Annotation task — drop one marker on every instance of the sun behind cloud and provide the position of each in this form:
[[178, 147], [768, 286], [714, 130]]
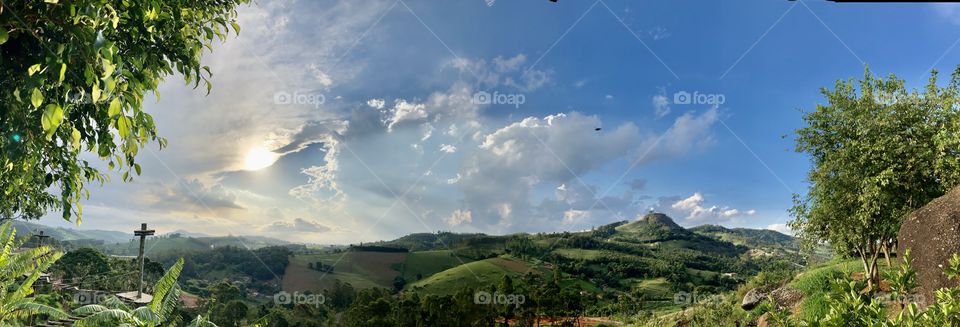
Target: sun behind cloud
[[259, 158]]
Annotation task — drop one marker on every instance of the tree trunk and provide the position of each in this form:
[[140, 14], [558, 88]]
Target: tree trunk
[[866, 264], [886, 252]]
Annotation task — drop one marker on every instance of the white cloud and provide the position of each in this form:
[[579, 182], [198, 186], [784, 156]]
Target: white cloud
[[376, 103], [406, 111], [447, 148], [572, 216], [455, 179], [459, 216], [693, 208], [512, 162], [783, 228], [661, 104]]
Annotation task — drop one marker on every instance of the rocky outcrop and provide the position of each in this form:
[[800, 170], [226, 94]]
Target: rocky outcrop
[[786, 297], [932, 233], [753, 298]]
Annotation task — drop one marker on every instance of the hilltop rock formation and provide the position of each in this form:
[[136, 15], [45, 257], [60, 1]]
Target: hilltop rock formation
[[932, 233]]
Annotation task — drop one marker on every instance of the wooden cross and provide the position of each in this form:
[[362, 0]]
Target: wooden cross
[[40, 238], [143, 232]]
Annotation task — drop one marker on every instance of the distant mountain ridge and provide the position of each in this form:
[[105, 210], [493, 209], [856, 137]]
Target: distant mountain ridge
[[70, 234]]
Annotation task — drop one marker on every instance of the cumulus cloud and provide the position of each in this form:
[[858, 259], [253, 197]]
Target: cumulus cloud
[[782, 228], [573, 215], [694, 208], [458, 217], [512, 162], [194, 193], [376, 103], [447, 148], [406, 111]]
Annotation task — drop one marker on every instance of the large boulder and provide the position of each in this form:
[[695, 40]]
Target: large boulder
[[753, 298], [932, 233]]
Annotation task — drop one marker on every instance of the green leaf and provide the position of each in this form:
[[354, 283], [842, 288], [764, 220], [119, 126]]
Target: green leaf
[[123, 126], [76, 139], [108, 68], [114, 108], [96, 92], [52, 117], [137, 168], [236, 27], [63, 70], [3, 36], [36, 98], [33, 69]]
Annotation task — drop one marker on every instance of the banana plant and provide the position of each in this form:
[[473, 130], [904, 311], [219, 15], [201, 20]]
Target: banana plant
[[15, 289], [166, 296]]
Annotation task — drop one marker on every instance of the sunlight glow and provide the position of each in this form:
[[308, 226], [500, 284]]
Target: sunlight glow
[[259, 158]]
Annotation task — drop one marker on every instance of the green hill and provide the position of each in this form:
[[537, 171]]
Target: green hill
[[475, 274], [748, 237]]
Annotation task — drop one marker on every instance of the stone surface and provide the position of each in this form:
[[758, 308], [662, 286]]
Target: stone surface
[[786, 297], [752, 299], [932, 233]]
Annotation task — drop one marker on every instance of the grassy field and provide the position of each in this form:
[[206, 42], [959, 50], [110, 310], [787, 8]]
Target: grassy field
[[657, 288], [475, 274], [428, 263], [360, 269], [815, 284]]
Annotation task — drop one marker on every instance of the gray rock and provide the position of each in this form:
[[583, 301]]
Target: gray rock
[[753, 298]]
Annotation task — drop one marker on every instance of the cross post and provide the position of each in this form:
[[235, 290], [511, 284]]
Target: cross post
[[143, 232]]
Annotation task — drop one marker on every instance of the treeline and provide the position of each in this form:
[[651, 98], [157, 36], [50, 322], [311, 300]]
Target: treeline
[[522, 301], [263, 264]]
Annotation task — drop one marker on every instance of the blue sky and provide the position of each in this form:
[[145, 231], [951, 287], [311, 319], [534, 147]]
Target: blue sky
[[346, 121]]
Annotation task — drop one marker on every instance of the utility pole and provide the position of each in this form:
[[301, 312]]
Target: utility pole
[[40, 238], [143, 232]]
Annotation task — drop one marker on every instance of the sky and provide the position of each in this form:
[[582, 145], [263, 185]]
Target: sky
[[336, 122]]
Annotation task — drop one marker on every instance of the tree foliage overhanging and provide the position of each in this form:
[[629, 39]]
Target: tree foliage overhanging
[[879, 151], [73, 76]]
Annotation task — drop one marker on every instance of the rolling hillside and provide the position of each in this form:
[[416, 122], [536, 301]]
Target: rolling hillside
[[649, 257]]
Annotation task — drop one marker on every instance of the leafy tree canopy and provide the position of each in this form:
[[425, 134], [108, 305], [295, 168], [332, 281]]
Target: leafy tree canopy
[[73, 75], [879, 151]]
